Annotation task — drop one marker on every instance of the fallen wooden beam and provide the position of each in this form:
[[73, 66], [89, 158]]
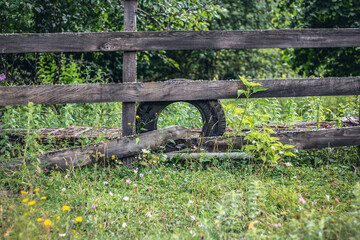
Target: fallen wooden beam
[[186, 156], [104, 151], [174, 91], [178, 40], [130, 146], [336, 137]]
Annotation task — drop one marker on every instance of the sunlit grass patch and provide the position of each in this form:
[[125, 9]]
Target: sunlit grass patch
[[168, 201]]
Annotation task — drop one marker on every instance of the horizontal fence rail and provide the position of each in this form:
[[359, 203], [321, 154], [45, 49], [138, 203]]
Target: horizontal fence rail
[[307, 139], [178, 40], [175, 90]]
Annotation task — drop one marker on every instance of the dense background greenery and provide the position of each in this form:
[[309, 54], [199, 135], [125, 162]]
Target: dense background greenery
[[336, 62], [96, 16], [312, 195]]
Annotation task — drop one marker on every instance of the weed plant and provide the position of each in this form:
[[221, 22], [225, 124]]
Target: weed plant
[[308, 195], [296, 200]]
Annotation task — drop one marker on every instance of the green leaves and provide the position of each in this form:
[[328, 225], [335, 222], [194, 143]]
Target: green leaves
[[251, 88], [330, 62]]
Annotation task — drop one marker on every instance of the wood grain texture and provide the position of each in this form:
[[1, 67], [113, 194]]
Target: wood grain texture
[[174, 91], [179, 40], [128, 146], [120, 148], [129, 69], [337, 137], [228, 155]]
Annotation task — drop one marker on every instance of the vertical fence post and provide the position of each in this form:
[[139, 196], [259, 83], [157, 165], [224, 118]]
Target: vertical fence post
[[129, 73]]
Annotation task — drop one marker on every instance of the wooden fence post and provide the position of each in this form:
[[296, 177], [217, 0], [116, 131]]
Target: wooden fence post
[[129, 73]]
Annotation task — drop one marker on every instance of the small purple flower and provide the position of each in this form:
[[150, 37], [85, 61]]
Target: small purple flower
[[301, 200], [276, 225], [2, 77]]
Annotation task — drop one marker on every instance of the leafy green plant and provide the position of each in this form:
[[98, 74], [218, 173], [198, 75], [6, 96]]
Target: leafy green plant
[[261, 144]]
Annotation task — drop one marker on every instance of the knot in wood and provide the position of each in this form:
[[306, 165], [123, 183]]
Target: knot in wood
[[106, 47]]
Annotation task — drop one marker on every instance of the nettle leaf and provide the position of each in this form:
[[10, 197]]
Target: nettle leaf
[[258, 89], [240, 92], [289, 154], [287, 146], [250, 147], [244, 81]]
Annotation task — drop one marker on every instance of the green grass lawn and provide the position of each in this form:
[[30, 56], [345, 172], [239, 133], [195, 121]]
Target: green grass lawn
[[301, 199], [313, 195]]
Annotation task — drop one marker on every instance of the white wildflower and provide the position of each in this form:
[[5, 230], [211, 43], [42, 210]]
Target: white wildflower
[[141, 175], [294, 177], [63, 190], [281, 152], [327, 198], [128, 181], [111, 194], [136, 170], [200, 225], [191, 201], [288, 164], [62, 234], [148, 214], [124, 225], [193, 218], [145, 151], [273, 148], [105, 182], [126, 198]]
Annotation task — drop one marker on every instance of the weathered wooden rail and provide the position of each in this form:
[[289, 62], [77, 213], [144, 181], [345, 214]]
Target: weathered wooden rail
[[174, 91], [131, 41], [178, 40]]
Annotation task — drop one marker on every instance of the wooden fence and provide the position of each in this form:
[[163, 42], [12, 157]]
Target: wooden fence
[[131, 41]]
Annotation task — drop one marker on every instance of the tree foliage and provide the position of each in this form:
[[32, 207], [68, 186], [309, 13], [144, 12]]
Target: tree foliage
[[336, 62], [48, 16]]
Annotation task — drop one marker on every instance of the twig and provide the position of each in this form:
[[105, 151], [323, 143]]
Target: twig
[[70, 228], [139, 10]]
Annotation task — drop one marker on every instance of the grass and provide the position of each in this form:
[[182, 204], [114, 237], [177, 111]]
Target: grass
[[210, 199], [187, 202]]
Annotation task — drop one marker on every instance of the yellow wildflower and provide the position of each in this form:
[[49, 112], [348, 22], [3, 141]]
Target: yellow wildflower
[[65, 208], [113, 157], [43, 198], [78, 219], [137, 117], [100, 226], [58, 217], [25, 200], [47, 222], [37, 189], [23, 192], [129, 124], [39, 219], [32, 203]]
